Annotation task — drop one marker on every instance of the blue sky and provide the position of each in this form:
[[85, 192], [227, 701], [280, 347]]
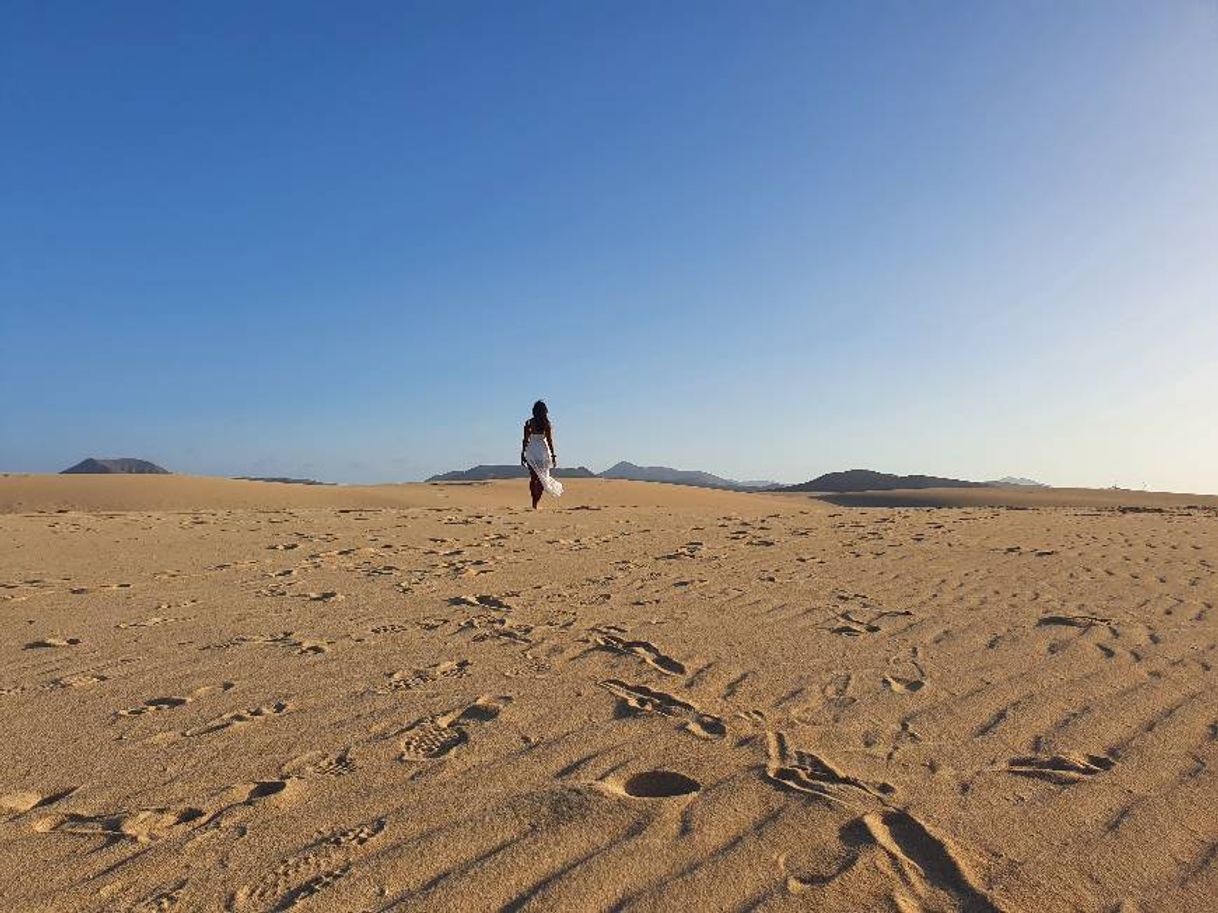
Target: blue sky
[[356, 241]]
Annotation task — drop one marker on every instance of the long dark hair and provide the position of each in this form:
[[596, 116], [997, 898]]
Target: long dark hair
[[541, 417]]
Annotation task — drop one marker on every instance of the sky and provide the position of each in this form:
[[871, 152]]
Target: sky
[[768, 240]]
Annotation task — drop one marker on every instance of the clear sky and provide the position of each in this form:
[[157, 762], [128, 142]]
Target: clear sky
[[356, 240]]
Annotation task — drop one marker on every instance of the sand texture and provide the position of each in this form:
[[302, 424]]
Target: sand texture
[[242, 696]]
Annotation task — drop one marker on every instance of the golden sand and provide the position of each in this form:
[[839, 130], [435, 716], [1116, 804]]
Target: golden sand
[[247, 696]]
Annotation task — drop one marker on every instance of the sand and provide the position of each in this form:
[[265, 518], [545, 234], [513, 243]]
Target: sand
[[248, 696]]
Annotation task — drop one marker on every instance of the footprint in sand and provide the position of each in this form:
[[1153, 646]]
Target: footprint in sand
[[390, 628], [244, 795], [899, 685], [482, 601], [163, 899], [290, 640], [78, 680], [838, 687], [755, 718], [51, 643], [82, 590], [688, 550], [1063, 769], [154, 704], [434, 737], [806, 772], [384, 570], [143, 825], [249, 793], [312, 887], [148, 622], [21, 802], [656, 784], [468, 568], [408, 681], [497, 626], [641, 699], [926, 863], [852, 627], [320, 764], [309, 872], [354, 836], [849, 625], [240, 717], [1071, 621], [647, 652], [687, 584]]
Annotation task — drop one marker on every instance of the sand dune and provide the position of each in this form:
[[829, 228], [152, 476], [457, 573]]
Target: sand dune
[[27, 493], [246, 696]]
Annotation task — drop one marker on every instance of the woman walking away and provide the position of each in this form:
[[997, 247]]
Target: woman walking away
[[537, 454]]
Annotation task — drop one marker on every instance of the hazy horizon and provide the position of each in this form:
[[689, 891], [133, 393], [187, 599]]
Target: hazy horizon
[[765, 241], [595, 469]]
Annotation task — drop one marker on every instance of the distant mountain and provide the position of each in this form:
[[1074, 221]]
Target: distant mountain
[[635, 473], [1017, 482], [623, 470], [121, 465], [869, 480], [485, 473], [630, 471]]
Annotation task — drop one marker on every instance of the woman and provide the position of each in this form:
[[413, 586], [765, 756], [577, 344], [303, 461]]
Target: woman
[[537, 454]]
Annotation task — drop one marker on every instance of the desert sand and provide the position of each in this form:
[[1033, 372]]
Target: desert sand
[[246, 696]]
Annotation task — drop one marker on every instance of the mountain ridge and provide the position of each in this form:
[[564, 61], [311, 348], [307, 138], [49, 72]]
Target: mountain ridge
[[119, 465], [623, 470], [694, 477], [484, 472], [850, 480], [870, 480]]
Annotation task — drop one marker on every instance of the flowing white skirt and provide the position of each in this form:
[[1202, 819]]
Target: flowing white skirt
[[537, 455]]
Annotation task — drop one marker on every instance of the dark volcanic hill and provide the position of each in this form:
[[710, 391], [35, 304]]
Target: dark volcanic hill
[[126, 465], [485, 473], [624, 470], [869, 480]]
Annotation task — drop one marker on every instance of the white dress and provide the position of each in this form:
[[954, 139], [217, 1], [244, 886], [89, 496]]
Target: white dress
[[537, 454]]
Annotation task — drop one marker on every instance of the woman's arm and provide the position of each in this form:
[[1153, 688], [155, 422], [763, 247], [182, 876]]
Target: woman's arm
[[523, 444], [550, 441]]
